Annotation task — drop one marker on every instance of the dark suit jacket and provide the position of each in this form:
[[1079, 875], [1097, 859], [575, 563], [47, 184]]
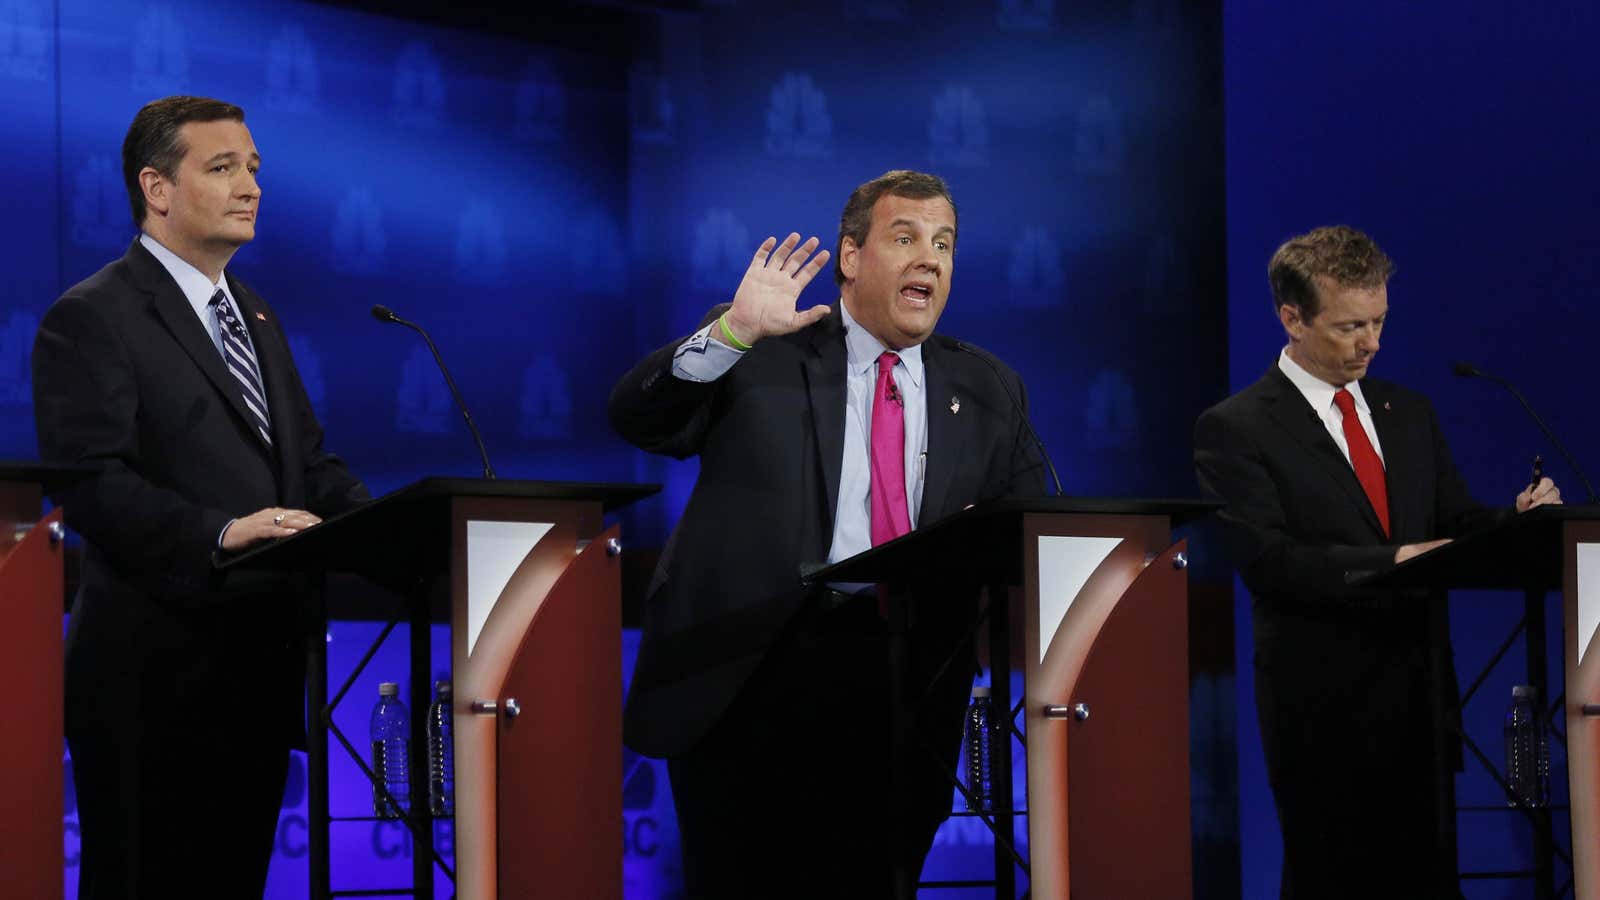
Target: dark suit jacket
[[1333, 661], [127, 380], [770, 437]]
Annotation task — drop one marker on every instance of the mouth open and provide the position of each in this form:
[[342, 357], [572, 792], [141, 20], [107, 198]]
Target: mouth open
[[917, 293]]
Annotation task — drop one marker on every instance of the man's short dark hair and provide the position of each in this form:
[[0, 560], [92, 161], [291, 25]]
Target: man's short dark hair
[[856, 219], [1338, 253], [153, 140]]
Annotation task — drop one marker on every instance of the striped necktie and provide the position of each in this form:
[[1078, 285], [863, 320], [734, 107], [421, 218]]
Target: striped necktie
[[242, 363]]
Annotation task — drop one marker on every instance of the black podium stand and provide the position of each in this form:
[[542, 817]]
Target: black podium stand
[[1551, 548], [1104, 605], [534, 599]]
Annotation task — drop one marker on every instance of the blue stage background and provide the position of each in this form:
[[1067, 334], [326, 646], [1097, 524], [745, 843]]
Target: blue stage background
[[551, 208]]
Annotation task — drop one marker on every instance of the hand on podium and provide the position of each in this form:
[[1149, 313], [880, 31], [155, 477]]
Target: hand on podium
[[1542, 494], [1407, 551]]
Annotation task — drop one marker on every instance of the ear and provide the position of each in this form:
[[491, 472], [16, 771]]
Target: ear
[[1293, 324], [848, 253], [156, 188]]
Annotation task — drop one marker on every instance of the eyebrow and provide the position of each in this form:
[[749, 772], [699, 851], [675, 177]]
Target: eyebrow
[[904, 222], [228, 155]]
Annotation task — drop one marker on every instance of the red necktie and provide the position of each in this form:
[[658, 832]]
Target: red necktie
[[1369, 468], [890, 514]]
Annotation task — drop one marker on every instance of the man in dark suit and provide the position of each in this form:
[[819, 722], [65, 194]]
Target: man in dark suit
[[820, 434], [173, 381], [1326, 473]]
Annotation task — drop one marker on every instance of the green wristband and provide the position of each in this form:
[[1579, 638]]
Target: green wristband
[[727, 332]]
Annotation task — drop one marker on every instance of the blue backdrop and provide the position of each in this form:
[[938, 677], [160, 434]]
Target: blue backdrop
[[553, 208]]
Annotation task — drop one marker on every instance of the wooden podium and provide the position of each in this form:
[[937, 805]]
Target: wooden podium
[[1551, 548], [1106, 675], [31, 587], [534, 586]]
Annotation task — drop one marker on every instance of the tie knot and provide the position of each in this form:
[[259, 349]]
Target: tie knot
[[1346, 401], [216, 298], [887, 360]]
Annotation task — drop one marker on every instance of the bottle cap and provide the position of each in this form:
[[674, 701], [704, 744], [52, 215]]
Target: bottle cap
[[388, 689], [980, 691], [441, 690], [1524, 692]]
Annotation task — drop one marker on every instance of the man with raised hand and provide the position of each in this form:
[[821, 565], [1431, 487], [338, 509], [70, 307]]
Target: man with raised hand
[[820, 433]]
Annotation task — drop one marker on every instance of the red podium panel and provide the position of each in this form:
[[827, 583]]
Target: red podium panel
[[31, 855], [560, 781]]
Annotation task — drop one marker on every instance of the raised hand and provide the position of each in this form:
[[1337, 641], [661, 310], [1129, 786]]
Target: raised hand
[[764, 304]]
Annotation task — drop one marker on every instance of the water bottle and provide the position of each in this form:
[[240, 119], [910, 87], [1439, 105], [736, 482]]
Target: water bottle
[[980, 748], [391, 746], [1527, 750], [441, 753]]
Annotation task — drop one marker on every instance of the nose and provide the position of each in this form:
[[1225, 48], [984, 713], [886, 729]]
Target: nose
[[1367, 340], [247, 186], [928, 261]]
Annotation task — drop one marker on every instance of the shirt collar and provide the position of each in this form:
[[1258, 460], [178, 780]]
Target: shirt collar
[[862, 349], [1317, 392], [197, 289]]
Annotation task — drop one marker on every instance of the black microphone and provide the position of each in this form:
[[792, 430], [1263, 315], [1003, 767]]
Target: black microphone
[[385, 314], [1015, 403], [1468, 370]]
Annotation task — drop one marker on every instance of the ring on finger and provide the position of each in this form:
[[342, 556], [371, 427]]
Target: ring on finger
[[278, 519]]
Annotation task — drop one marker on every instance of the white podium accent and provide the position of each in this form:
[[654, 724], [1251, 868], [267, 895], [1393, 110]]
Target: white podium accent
[[494, 551], [1588, 596], [1065, 564]]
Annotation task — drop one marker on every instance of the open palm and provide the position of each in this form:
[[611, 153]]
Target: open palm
[[764, 304]]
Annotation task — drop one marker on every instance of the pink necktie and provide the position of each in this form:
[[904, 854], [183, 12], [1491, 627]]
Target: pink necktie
[[890, 514], [1364, 459]]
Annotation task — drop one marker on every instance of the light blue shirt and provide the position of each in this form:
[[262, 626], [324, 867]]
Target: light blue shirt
[[197, 289], [703, 357]]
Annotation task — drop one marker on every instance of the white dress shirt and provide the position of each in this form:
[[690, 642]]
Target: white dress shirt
[[1319, 394]]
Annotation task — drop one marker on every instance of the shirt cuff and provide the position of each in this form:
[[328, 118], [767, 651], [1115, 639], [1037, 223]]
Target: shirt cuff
[[703, 357]]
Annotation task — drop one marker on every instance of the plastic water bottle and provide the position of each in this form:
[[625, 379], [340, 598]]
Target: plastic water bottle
[[441, 752], [391, 746], [980, 741], [1527, 750]]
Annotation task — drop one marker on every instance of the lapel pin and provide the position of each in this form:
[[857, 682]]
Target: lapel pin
[[955, 405], [261, 316], [1385, 404]]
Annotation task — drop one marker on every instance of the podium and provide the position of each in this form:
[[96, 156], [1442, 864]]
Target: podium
[[1550, 548], [31, 588], [533, 584], [1104, 658]]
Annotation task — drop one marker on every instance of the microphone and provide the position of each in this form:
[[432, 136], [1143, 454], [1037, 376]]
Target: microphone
[[385, 314], [1468, 370], [1016, 405], [894, 394]]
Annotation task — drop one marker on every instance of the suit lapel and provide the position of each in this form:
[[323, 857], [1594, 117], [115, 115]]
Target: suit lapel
[[827, 390], [948, 431], [272, 359], [1288, 408], [179, 318]]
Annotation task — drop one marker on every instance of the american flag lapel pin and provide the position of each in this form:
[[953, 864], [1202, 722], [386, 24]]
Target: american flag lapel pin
[[261, 316], [1385, 404], [955, 405]]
